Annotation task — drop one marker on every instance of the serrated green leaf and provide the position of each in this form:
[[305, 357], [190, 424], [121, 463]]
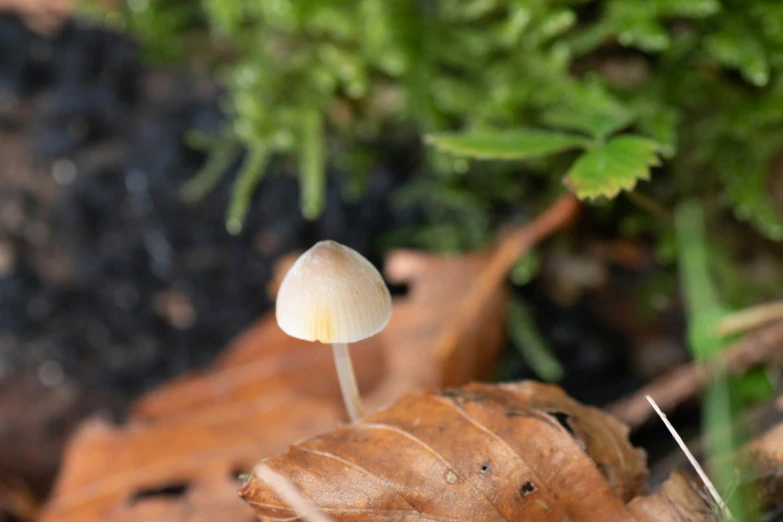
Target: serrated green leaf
[[597, 124], [617, 165], [507, 145]]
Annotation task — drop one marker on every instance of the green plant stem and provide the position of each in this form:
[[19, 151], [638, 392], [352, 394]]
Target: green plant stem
[[220, 159], [246, 183], [313, 173], [704, 311], [700, 299]]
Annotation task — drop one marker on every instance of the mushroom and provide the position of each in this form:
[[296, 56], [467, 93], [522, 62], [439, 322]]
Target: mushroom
[[332, 294]]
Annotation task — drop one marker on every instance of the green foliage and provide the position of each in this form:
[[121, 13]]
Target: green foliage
[[509, 145], [224, 154], [596, 123], [249, 175], [704, 311], [620, 82], [603, 170], [153, 22], [612, 166]]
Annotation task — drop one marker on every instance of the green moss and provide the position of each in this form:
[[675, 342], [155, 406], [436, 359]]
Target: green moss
[[701, 79]]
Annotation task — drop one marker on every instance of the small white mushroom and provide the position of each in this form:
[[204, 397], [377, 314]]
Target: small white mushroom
[[332, 294]]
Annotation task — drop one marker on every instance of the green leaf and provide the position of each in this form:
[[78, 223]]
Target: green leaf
[[660, 123], [646, 36], [507, 145], [612, 167], [736, 46], [746, 184], [637, 24], [597, 124], [746, 189], [689, 9]]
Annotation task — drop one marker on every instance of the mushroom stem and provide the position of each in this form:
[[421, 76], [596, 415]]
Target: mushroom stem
[[348, 385]]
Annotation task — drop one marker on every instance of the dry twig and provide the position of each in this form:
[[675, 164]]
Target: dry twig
[[750, 318], [764, 346]]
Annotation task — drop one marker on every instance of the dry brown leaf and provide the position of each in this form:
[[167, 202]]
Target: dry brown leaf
[[678, 500], [484, 452], [480, 453], [432, 457], [270, 390]]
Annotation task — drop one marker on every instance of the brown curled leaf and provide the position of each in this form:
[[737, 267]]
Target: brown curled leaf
[[269, 390], [479, 453], [677, 500]]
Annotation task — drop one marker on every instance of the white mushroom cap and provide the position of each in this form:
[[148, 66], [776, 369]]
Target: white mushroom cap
[[332, 294]]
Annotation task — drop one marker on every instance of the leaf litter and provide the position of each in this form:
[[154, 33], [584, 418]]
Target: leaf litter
[[178, 455], [484, 452]]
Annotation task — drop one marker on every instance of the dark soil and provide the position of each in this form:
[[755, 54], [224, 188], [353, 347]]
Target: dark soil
[[109, 282]]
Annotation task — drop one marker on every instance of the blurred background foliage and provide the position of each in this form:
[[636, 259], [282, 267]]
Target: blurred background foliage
[[590, 93]]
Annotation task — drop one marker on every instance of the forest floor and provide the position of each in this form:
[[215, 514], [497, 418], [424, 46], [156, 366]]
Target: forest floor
[[111, 284]]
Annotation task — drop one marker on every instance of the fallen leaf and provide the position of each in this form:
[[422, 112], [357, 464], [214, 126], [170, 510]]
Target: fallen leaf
[[522, 451], [269, 390], [678, 500], [480, 453]]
